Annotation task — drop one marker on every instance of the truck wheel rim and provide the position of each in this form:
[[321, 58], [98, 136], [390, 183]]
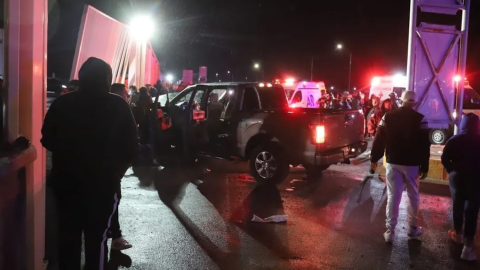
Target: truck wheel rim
[[265, 165], [437, 136]]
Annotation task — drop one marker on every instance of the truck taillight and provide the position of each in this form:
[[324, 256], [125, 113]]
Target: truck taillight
[[318, 134]]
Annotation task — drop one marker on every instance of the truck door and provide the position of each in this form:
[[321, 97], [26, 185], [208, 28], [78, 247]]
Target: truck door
[[222, 131], [197, 127]]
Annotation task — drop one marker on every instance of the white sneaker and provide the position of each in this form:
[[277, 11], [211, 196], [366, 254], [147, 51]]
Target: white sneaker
[[455, 237], [415, 232], [468, 254], [389, 236], [120, 244]]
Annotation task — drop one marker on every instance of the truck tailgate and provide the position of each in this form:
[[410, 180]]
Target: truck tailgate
[[342, 127]]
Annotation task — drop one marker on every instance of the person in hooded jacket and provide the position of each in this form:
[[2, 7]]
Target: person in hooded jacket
[[376, 116], [93, 139], [460, 159]]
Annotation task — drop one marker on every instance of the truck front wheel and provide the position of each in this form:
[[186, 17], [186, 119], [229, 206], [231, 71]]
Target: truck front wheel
[[268, 164]]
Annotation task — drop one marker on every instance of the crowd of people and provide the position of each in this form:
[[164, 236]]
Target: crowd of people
[[96, 132], [372, 107]]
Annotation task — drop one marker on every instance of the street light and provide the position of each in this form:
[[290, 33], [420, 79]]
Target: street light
[[142, 27], [228, 72], [331, 88], [340, 47], [257, 66]]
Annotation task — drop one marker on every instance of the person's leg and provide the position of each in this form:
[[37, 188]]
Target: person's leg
[[394, 195], [70, 220], [118, 242], [115, 231], [458, 208], [412, 182], [412, 185], [99, 217], [471, 217]]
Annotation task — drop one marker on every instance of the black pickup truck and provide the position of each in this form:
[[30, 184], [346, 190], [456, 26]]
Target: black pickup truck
[[252, 121]]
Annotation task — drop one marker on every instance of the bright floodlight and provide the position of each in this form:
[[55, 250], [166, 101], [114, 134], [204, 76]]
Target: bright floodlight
[[169, 77], [399, 80], [457, 78], [339, 46], [256, 65], [142, 27], [332, 88]]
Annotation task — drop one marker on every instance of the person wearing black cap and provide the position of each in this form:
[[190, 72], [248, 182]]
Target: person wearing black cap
[[93, 139], [402, 136]]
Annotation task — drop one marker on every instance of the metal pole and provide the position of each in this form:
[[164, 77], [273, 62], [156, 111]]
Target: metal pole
[[411, 45], [463, 62], [311, 71], [350, 73]]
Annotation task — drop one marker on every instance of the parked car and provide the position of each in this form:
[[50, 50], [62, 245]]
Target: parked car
[[253, 121]]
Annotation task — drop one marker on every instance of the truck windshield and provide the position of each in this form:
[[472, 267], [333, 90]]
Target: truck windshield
[[273, 98]]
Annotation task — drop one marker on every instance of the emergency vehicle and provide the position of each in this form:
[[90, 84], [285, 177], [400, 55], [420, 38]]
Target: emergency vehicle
[[382, 86], [303, 94]]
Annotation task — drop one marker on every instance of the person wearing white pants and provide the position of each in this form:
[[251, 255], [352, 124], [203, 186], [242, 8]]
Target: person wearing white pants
[[402, 136], [399, 177]]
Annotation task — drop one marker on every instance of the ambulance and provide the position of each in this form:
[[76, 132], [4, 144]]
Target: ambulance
[[303, 94], [382, 86]]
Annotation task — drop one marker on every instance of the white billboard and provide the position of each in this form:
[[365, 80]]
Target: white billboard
[[187, 76], [202, 74]]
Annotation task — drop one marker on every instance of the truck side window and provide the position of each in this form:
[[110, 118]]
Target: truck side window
[[250, 99]]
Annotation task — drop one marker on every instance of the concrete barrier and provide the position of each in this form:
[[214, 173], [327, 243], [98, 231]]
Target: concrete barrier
[[436, 172]]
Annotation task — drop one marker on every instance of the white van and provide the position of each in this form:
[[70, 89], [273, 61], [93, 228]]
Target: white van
[[384, 85], [304, 94]]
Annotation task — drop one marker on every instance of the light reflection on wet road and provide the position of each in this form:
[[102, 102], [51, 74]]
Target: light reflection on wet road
[[175, 221]]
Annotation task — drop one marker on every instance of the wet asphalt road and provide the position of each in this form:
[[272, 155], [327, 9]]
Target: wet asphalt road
[[175, 221]]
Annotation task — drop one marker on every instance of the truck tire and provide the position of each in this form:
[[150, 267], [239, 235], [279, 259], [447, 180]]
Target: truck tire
[[268, 164], [439, 136], [315, 171]]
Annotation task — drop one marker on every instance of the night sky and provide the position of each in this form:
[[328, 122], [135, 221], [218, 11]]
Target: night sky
[[282, 35]]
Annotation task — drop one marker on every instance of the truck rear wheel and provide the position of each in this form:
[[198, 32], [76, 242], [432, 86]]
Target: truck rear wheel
[[268, 164]]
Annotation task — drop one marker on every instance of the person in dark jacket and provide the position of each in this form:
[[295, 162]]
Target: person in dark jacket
[[403, 137], [376, 117], [460, 159], [93, 139], [118, 241], [145, 118], [134, 95]]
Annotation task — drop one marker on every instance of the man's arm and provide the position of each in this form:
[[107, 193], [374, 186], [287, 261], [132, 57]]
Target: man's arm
[[128, 133], [447, 156], [378, 148]]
